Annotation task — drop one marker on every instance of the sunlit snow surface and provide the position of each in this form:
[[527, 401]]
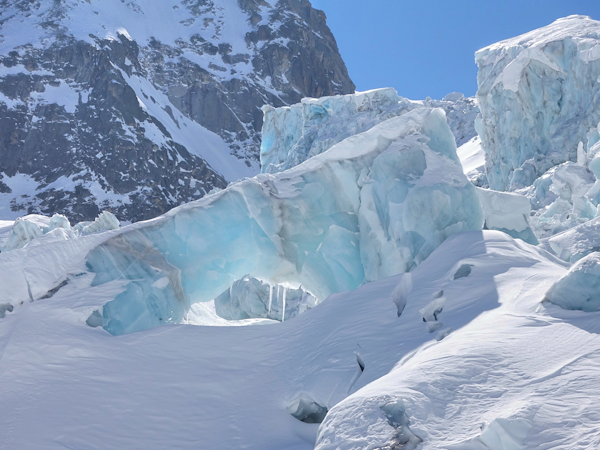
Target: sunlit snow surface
[[507, 358]]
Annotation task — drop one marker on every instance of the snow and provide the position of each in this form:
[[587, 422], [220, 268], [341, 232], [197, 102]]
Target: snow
[[553, 69], [472, 157], [507, 212], [579, 288], [176, 389]]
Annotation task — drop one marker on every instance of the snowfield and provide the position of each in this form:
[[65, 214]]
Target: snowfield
[[506, 357]]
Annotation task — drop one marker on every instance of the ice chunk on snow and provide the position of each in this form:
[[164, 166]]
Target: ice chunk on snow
[[292, 134], [104, 222], [250, 298], [374, 205], [508, 213], [538, 98], [561, 199], [506, 434], [574, 244], [579, 288], [22, 232]]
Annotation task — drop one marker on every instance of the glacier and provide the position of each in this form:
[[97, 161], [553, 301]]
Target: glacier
[[372, 206], [539, 98], [293, 134], [250, 298]]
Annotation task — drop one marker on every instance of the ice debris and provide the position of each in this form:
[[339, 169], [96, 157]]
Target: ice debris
[[35, 229], [574, 244], [553, 70], [372, 206], [250, 298], [508, 213], [579, 288]]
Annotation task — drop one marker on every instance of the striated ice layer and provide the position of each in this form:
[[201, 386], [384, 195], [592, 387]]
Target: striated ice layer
[[579, 288], [250, 298], [293, 134], [374, 205], [539, 98]]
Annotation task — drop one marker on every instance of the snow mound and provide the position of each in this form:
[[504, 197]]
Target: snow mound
[[507, 212], [374, 205], [579, 288], [554, 69]]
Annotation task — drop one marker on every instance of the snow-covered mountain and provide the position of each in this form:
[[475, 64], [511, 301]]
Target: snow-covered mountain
[[139, 106], [424, 312]]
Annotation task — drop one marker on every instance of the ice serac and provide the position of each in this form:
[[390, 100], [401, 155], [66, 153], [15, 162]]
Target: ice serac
[[250, 298], [508, 213], [291, 135], [539, 98], [374, 205], [579, 288]]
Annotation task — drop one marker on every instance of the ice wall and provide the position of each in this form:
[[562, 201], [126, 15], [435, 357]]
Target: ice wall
[[539, 97], [374, 205], [508, 213], [293, 134]]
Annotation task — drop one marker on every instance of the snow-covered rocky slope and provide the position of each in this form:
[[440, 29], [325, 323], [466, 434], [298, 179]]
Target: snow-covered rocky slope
[[141, 105]]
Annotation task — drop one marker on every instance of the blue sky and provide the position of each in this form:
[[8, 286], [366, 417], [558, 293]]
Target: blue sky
[[425, 47]]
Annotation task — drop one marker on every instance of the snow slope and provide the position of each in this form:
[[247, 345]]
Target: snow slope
[[183, 386]]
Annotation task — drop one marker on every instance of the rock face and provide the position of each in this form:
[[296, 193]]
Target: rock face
[[139, 106]]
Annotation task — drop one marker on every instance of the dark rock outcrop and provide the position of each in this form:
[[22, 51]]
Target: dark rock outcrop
[[94, 117]]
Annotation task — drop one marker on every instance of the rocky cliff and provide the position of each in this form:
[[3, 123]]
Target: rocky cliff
[[137, 106]]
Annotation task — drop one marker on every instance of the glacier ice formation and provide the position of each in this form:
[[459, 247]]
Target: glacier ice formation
[[539, 98], [36, 229], [293, 134], [507, 212], [372, 206], [250, 298]]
